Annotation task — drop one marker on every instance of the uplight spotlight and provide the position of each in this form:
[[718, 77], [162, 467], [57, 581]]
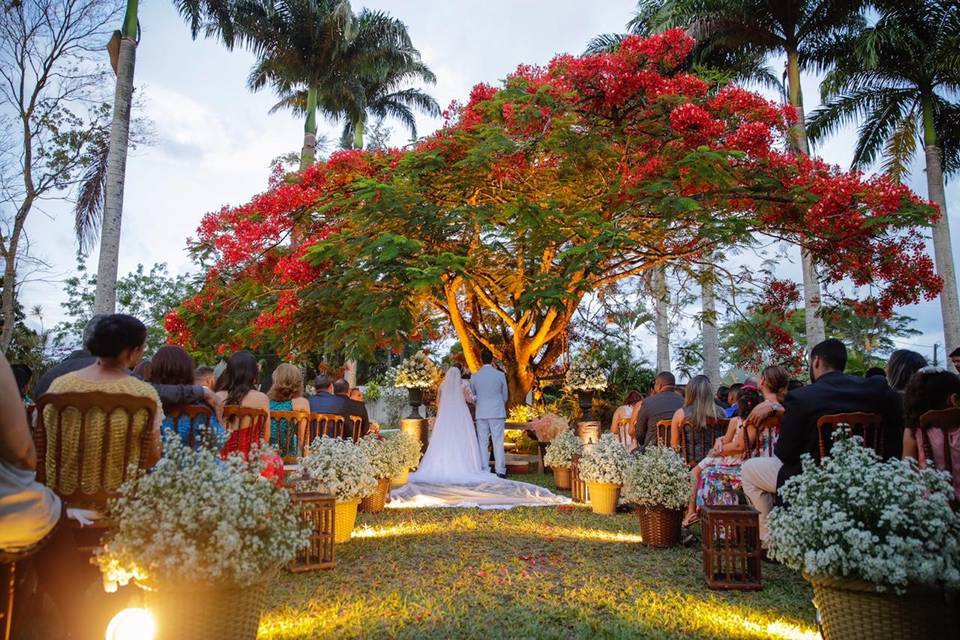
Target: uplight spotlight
[[132, 624]]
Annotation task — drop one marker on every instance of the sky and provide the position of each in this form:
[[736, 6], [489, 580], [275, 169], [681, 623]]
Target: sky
[[214, 139]]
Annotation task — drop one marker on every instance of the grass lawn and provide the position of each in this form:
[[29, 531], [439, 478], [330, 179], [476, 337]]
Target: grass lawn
[[523, 573]]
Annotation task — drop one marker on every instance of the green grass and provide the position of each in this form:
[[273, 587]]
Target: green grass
[[524, 573]]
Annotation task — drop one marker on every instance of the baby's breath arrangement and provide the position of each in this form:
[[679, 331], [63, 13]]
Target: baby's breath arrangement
[[410, 449], [197, 519], [605, 461], [522, 413], [855, 515], [562, 449], [385, 454], [417, 372], [336, 467], [585, 374], [657, 478]]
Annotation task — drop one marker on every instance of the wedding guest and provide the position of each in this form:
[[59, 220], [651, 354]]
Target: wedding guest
[[697, 412], [629, 410], [732, 400], [117, 343], [204, 377], [286, 394], [77, 359], [354, 407], [955, 358], [237, 385], [728, 450], [172, 365], [723, 396], [831, 391], [901, 366], [661, 405], [325, 400], [773, 387], [142, 370], [932, 388], [23, 374], [878, 372]]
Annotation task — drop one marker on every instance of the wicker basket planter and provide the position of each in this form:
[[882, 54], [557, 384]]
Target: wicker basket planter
[[851, 608], [345, 517], [205, 612], [375, 502], [659, 527], [604, 497], [400, 479], [562, 478]]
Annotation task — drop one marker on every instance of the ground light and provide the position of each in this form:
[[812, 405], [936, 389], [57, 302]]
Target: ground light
[[132, 624]]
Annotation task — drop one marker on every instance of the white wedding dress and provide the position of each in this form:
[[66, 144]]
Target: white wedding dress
[[452, 473]]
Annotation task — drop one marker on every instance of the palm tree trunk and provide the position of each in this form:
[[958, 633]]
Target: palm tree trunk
[[358, 134], [816, 332], [105, 297], [711, 341], [661, 319], [309, 151], [942, 246]]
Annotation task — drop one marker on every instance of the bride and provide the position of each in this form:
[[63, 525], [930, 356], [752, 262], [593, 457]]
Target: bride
[[452, 472]]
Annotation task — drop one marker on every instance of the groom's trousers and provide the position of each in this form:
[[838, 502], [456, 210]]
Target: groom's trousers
[[488, 428]]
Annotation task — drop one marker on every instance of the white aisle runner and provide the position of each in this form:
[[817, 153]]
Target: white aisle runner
[[488, 492]]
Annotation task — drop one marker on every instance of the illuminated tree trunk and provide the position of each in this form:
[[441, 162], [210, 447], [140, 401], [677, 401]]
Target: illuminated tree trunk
[[711, 342], [662, 320]]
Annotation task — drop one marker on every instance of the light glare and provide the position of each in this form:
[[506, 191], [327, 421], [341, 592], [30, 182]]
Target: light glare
[[132, 624]]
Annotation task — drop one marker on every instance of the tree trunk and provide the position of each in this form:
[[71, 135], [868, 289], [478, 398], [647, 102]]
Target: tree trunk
[[358, 134], [711, 341], [815, 330], [8, 296], [309, 151], [662, 320], [105, 298], [942, 246], [519, 381]]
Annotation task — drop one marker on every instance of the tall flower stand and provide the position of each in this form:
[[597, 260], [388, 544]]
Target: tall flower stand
[[585, 400], [415, 398], [588, 432], [416, 427]]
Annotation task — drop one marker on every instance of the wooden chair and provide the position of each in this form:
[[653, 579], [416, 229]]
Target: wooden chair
[[290, 441], [694, 447], [198, 418], [623, 427], [938, 438], [86, 443], [329, 425], [246, 426], [663, 433], [767, 431], [8, 569], [867, 425], [356, 427]]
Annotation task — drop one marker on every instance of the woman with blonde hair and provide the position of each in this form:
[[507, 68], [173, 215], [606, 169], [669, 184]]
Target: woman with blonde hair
[[286, 394], [698, 410]]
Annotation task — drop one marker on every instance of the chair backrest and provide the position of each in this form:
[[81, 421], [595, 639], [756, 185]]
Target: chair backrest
[[330, 425], [288, 430], [663, 433], [867, 425], [246, 426], [938, 439], [623, 430], [695, 441], [197, 416], [767, 433], [86, 442], [356, 426]]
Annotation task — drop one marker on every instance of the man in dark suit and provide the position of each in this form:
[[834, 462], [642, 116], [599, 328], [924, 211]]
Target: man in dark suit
[[354, 407], [661, 405], [326, 401], [831, 391]]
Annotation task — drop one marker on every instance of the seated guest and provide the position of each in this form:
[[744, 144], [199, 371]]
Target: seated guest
[[173, 365], [237, 385], [901, 366], [629, 410], [773, 387], [660, 405], [142, 370], [878, 372], [117, 343], [723, 395], [831, 391], [355, 408], [286, 394], [324, 400], [23, 374], [697, 412], [728, 451], [932, 388], [732, 400], [204, 377]]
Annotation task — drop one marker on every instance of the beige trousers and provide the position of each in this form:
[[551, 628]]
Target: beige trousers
[[759, 477]]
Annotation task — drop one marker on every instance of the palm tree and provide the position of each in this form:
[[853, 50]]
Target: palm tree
[[214, 18], [661, 296], [801, 30], [708, 324], [900, 77]]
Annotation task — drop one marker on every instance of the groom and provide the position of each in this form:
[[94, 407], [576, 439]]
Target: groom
[[489, 386]]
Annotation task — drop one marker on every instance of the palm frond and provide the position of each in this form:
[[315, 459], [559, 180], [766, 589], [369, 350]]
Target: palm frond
[[88, 210], [900, 149], [604, 43]]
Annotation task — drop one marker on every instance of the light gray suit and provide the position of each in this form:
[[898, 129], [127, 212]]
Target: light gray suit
[[489, 385]]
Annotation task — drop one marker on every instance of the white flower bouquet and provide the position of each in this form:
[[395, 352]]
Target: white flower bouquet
[[585, 374], [336, 467], [562, 449], [417, 372], [606, 461], [549, 426], [199, 520], [658, 478], [409, 447], [857, 516], [385, 454]]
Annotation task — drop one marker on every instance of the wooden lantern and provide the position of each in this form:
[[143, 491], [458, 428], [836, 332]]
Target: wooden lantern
[[316, 511], [578, 488], [731, 547]]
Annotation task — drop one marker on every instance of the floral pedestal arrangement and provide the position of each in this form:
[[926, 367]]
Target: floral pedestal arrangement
[[344, 520], [416, 373], [559, 456], [658, 484], [603, 467], [881, 558], [585, 377]]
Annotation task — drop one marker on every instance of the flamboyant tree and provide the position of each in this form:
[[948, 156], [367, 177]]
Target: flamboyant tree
[[565, 180]]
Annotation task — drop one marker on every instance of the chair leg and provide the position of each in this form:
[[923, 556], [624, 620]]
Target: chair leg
[[11, 590]]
